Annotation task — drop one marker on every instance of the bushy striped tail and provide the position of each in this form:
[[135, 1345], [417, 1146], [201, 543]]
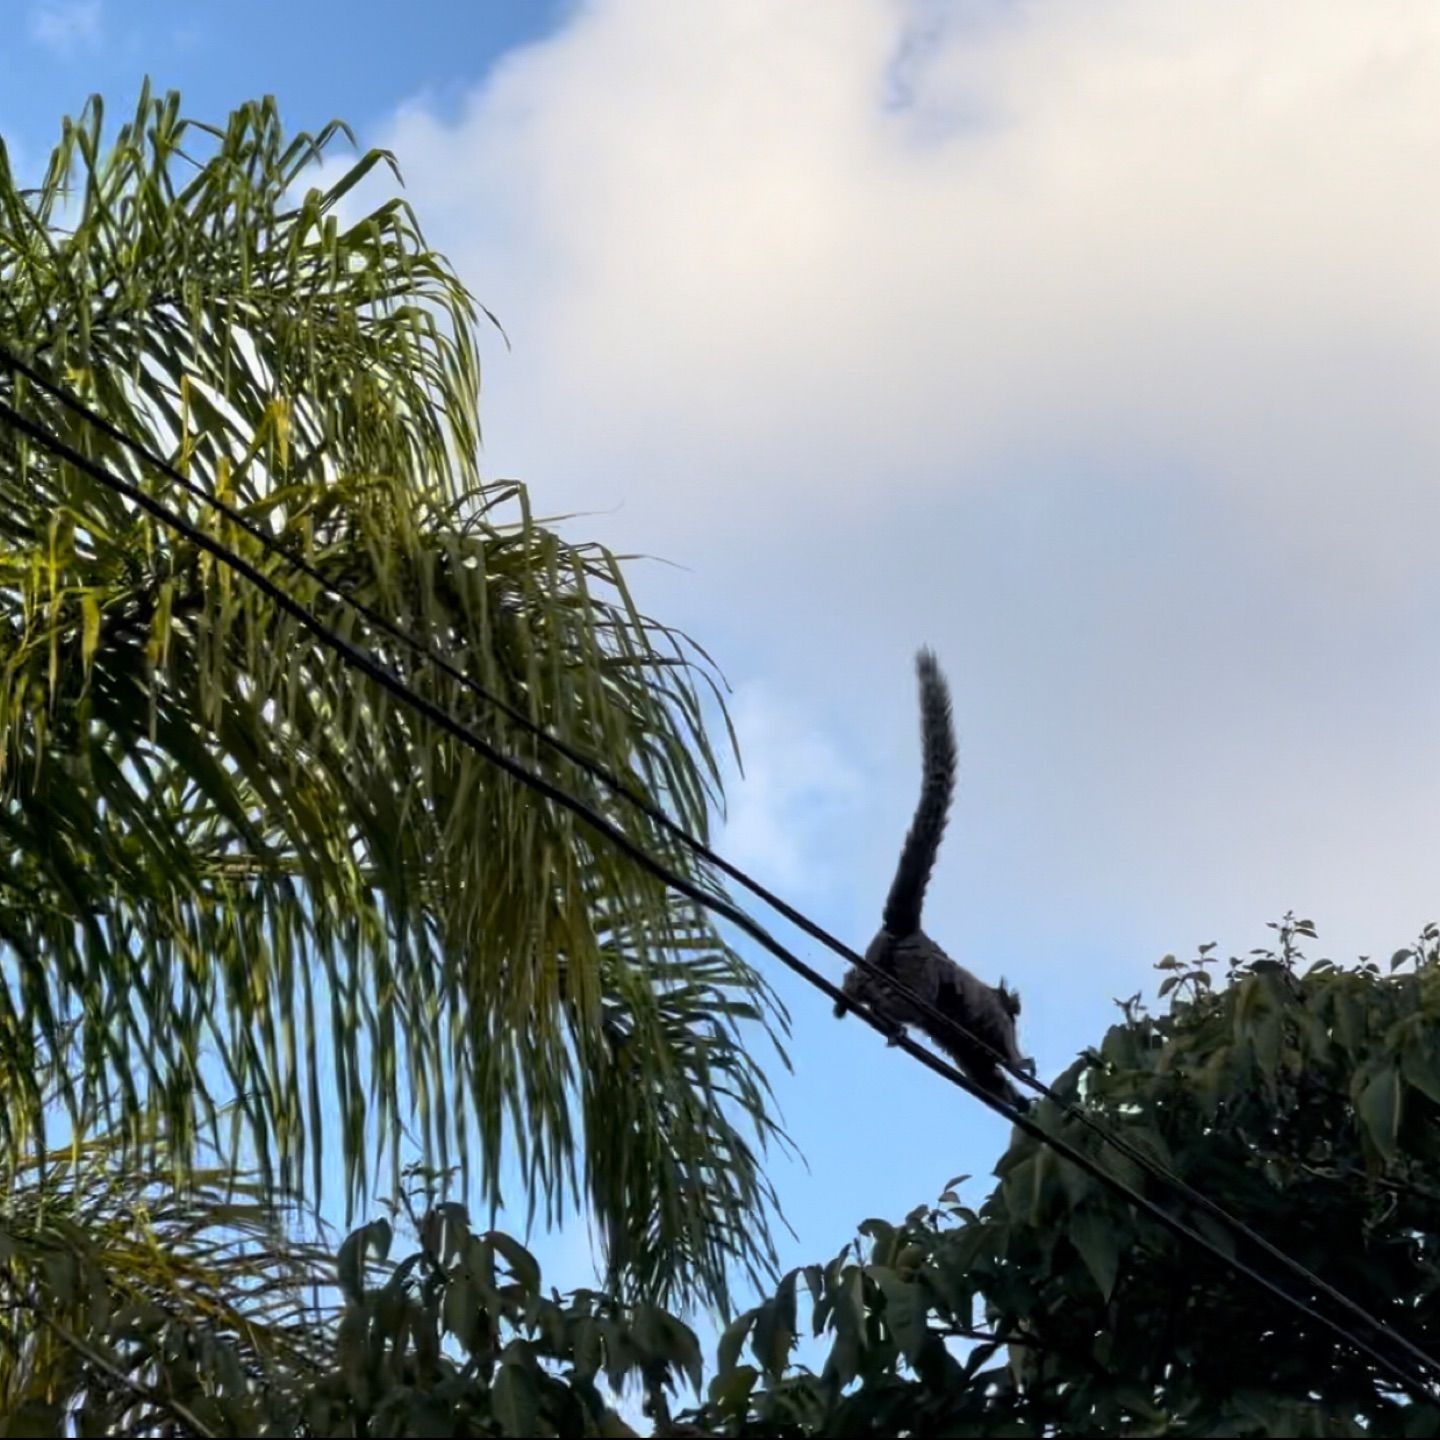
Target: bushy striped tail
[[937, 786]]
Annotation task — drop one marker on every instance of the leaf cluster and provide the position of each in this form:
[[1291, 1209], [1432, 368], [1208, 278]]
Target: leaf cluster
[[1300, 1097], [127, 1306], [461, 1338], [1049, 1308]]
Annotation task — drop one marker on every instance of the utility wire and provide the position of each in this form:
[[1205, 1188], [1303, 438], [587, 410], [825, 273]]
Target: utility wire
[[589, 765], [946, 1024], [367, 663]]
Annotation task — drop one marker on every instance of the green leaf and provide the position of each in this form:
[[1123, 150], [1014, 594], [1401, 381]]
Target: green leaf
[[883, 1234], [460, 1312], [732, 1341], [1043, 1174], [348, 1266], [522, 1263], [730, 1390], [1349, 1020], [378, 1236], [1266, 1036], [350, 1263], [90, 627], [773, 1335], [1418, 1066], [906, 1311], [516, 1399], [1379, 1108], [585, 1340], [1094, 1236]]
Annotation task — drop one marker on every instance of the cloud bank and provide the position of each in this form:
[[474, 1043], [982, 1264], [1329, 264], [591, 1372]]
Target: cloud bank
[[883, 248], [1097, 346]]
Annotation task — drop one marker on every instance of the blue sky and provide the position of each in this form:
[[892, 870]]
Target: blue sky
[[219, 55], [1095, 346]]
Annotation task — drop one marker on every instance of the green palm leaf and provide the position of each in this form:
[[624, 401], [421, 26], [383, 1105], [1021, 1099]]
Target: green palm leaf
[[130, 1307]]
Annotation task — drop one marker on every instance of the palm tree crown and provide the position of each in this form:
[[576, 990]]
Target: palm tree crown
[[231, 868]]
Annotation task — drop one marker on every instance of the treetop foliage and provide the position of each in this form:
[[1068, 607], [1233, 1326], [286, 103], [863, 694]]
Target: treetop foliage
[[1049, 1308], [1303, 1098], [229, 867]]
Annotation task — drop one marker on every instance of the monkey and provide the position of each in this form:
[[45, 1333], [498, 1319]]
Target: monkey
[[904, 950]]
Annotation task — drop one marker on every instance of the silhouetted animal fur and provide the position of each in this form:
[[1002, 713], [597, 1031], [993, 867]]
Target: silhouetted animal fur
[[904, 950]]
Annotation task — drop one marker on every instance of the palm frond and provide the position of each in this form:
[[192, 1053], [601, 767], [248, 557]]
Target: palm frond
[[222, 855], [129, 1306]]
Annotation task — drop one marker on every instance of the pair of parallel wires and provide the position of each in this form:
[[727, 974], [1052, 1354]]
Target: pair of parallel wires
[[1419, 1382]]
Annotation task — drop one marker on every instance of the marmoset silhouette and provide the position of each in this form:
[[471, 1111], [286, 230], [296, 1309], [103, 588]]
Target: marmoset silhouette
[[904, 950]]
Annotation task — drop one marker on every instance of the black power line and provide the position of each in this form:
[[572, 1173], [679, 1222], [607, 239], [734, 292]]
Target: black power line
[[945, 1023], [376, 670], [588, 764]]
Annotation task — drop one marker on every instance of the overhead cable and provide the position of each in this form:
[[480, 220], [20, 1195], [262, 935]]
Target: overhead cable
[[363, 660]]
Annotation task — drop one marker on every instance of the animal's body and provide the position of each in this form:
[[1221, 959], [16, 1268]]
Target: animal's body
[[904, 950]]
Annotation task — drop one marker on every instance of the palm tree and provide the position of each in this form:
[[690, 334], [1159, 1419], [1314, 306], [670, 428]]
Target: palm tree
[[232, 870]]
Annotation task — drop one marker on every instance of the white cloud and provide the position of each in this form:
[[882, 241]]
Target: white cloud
[[798, 790], [1205, 230], [1096, 345], [65, 26]]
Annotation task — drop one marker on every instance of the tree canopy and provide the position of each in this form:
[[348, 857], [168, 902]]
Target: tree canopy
[[1303, 1098], [1051, 1307], [246, 901]]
